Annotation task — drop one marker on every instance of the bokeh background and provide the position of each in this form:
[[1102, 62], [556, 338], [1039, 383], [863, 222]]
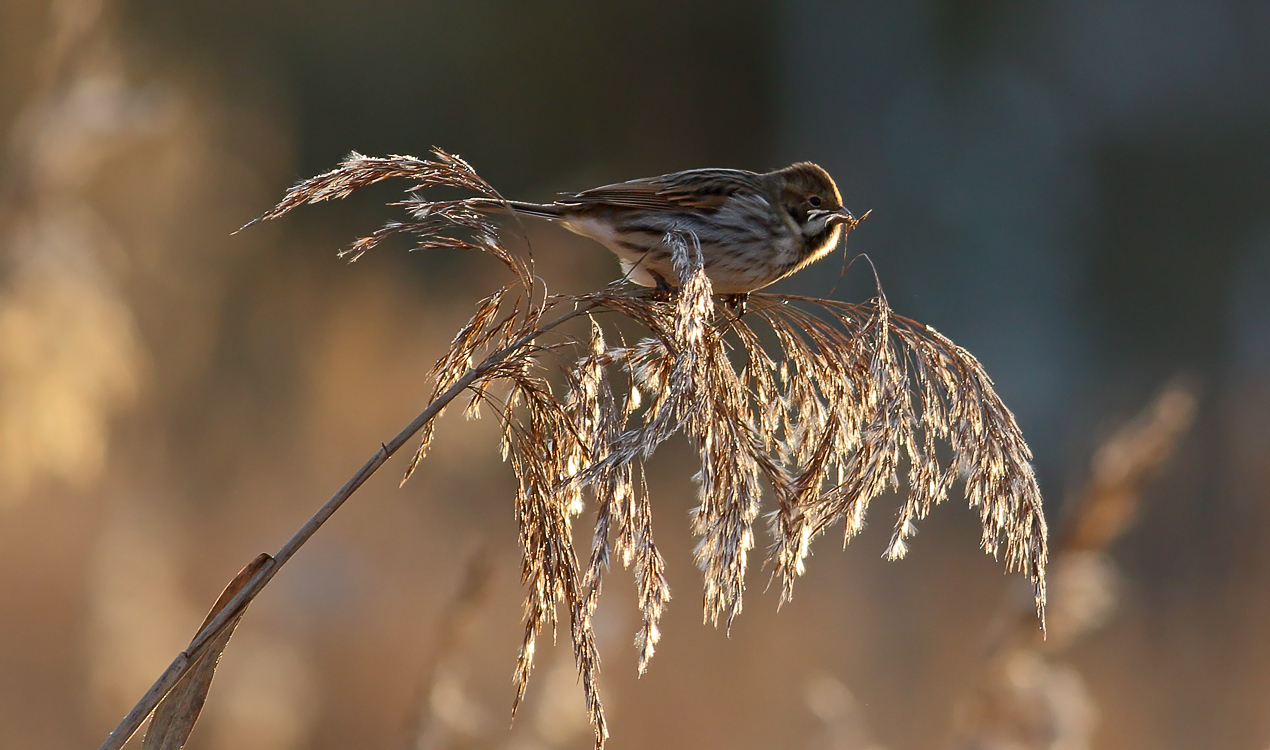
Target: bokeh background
[[1076, 191]]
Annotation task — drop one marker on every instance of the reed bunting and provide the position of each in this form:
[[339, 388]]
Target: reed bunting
[[754, 229]]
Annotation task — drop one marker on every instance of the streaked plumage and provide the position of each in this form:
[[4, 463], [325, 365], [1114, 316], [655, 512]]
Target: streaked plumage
[[754, 229]]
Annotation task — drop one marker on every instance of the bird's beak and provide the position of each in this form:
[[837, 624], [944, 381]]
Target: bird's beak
[[843, 216]]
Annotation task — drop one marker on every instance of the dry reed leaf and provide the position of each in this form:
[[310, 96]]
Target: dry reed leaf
[[177, 713], [829, 404]]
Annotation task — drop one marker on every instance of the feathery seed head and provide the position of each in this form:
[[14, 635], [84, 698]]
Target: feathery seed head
[[824, 402]]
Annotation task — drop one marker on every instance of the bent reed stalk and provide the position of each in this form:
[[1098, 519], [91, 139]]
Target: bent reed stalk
[[230, 613]]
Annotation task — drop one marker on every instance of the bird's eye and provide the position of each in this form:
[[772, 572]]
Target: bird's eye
[[814, 201]]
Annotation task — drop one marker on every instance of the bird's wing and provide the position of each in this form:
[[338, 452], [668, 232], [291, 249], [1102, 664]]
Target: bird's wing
[[694, 189]]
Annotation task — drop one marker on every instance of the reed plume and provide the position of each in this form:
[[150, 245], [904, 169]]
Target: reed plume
[[827, 403]]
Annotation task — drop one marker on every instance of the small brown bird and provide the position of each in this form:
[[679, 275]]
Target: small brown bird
[[754, 229]]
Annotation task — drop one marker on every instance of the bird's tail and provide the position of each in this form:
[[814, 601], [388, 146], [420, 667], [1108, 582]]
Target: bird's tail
[[541, 210]]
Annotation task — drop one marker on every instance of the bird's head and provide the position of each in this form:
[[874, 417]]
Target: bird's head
[[811, 198]]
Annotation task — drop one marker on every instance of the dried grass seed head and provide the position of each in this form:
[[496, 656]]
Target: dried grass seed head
[[824, 402]]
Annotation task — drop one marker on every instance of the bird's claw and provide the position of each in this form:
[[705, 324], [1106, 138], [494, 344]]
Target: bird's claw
[[664, 290], [735, 303]]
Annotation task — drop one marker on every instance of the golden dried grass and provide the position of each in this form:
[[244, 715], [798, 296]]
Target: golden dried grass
[[827, 403]]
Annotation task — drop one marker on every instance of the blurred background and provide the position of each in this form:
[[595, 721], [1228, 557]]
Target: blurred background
[[1076, 191]]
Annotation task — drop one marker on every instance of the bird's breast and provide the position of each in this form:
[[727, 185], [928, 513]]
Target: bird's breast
[[819, 245]]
